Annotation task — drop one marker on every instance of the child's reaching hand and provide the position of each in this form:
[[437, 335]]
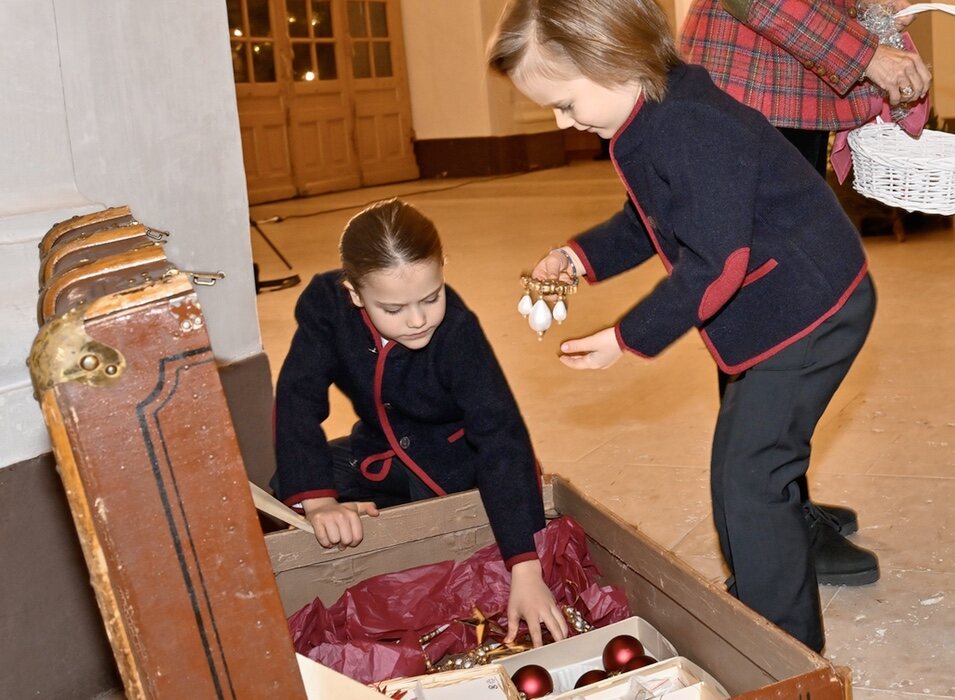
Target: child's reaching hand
[[597, 351], [337, 524], [531, 600], [560, 264]]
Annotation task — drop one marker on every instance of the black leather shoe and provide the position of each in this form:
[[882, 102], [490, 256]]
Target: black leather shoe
[[838, 561], [843, 519]]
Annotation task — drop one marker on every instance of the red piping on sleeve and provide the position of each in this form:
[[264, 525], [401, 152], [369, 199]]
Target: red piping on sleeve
[[517, 559], [623, 344], [295, 500]]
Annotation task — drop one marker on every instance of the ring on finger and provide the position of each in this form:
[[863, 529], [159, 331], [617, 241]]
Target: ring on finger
[[906, 90]]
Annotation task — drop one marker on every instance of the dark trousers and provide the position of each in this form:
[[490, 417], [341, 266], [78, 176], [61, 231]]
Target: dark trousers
[[814, 146], [761, 451]]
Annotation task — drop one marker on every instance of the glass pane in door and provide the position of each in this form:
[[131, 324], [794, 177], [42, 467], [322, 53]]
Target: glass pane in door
[[263, 62], [361, 63], [378, 14], [240, 65], [382, 52], [356, 18], [322, 18], [236, 23], [260, 24], [327, 68], [302, 68], [297, 18]]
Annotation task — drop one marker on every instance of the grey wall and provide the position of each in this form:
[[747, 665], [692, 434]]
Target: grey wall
[[109, 103]]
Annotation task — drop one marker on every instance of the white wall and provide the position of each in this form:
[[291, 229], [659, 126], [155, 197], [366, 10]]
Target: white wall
[[453, 95], [117, 103], [942, 60]]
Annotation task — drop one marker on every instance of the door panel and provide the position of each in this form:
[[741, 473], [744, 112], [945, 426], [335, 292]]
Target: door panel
[[322, 144], [268, 166]]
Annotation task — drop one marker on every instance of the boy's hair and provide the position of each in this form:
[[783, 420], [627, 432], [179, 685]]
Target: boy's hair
[[384, 235], [611, 42]]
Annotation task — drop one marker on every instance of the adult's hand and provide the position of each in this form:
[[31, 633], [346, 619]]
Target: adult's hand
[[902, 74]]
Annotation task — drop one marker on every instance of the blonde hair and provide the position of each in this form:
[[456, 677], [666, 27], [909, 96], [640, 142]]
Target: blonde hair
[[385, 235], [610, 42]]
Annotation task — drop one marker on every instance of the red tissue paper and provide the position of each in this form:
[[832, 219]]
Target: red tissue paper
[[371, 632]]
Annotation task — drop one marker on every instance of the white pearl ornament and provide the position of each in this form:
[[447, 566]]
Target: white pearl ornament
[[525, 305], [540, 318]]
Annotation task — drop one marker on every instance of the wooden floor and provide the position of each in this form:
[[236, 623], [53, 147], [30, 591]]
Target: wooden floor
[[636, 436]]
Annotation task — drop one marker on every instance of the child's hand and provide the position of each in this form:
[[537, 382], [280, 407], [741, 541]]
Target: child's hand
[[532, 601], [560, 264], [337, 524], [597, 351]]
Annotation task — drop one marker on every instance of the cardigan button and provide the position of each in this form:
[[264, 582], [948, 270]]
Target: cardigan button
[[387, 406], [404, 442]]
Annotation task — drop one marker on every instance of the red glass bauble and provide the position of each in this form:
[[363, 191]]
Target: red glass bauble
[[638, 662], [533, 680], [620, 650], [591, 676]]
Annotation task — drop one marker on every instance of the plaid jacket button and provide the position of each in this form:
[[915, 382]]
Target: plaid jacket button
[[852, 12], [809, 64], [834, 78]]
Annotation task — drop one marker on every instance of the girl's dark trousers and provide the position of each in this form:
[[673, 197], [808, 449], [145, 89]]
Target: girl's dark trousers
[[760, 452]]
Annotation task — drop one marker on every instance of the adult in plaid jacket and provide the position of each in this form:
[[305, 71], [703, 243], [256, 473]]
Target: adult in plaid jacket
[[809, 67]]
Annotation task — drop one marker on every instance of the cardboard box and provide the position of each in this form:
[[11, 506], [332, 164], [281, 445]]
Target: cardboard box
[[676, 677], [567, 660], [750, 657], [489, 682]]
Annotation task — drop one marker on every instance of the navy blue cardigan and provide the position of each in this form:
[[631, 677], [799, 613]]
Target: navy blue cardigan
[[757, 248], [445, 411]]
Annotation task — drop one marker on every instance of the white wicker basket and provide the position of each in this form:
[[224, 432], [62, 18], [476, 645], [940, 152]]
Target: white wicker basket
[[902, 171]]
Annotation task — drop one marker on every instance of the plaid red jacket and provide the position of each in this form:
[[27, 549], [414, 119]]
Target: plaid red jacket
[[800, 63]]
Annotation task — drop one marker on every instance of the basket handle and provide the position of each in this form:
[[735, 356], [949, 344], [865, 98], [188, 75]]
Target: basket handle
[[925, 7]]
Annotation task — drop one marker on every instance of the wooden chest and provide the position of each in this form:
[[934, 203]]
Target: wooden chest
[[144, 442]]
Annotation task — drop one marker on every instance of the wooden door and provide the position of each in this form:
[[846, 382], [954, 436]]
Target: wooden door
[[263, 120], [322, 95], [380, 92]]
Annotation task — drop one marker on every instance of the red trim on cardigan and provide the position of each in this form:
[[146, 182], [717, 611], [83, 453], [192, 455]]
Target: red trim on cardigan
[[295, 500], [381, 474], [623, 344], [742, 366], [518, 558], [726, 285], [633, 198], [456, 435], [383, 415], [589, 273], [760, 271]]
